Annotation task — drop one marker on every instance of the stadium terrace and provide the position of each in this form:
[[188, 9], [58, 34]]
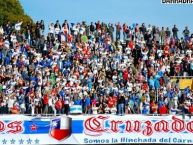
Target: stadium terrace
[[96, 68]]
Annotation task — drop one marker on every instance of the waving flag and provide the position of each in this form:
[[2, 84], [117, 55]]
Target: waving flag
[[60, 128]]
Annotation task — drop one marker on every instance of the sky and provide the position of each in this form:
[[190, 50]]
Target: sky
[[129, 11]]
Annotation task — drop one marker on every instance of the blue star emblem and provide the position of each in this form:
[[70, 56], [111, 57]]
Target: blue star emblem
[[21, 141], [37, 141], [29, 141], [12, 141], [4, 141]]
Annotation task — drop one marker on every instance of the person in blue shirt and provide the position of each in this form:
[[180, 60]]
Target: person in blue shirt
[[156, 84], [49, 63], [60, 64], [160, 73], [90, 83], [62, 93], [7, 60], [67, 64], [145, 110], [160, 103], [43, 63], [19, 63], [151, 82], [187, 90], [1, 57], [87, 105], [78, 101], [171, 94]]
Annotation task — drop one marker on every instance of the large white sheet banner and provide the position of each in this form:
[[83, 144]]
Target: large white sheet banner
[[99, 129]]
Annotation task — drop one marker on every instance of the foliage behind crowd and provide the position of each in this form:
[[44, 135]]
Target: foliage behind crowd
[[12, 11]]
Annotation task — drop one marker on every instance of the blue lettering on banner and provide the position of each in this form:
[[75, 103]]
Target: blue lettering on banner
[[165, 140], [138, 140], [96, 141], [183, 141]]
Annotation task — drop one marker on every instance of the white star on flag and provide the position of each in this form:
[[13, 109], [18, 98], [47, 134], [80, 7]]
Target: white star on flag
[[55, 123]]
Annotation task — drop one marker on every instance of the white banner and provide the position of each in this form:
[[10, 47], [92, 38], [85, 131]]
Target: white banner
[[99, 129]]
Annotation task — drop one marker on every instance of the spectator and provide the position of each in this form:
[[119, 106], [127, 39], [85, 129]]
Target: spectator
[[121, 105], [67, 104], [45, 103], [163, 109], [175, 32], [168, 33], [191, 109], [58, 106], [186, 33], [42, 27], [111, 31], [92, 28], [154, 107], [118, 31]]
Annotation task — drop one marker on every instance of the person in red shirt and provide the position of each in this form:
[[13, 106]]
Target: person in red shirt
[[56, 68], [131, 45], [68, 84], [98, 25], [58, 106], [166, 50], [15, 109], [110, 102], [45, 103], [70, 38], [153, 107], [65, 30], [145, 86], [163, 110], [191, 109], [54, 91], [161, 80], [94, 102], [114, 99], [125, 75]]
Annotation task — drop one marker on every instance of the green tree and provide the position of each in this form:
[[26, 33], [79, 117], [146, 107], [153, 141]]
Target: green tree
[[12, 11]]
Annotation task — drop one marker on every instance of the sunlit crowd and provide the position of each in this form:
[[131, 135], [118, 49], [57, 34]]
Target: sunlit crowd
[[105, 68]]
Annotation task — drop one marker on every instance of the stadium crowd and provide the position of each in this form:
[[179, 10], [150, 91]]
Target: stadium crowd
[[105, 68]]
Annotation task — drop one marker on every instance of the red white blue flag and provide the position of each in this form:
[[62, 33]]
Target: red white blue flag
[[61, 128]]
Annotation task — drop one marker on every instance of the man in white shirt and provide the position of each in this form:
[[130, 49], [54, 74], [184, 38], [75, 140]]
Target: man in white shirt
[[51, 28], [11, 101]]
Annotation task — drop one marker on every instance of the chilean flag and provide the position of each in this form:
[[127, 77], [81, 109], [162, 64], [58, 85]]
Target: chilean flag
[[61, 128]]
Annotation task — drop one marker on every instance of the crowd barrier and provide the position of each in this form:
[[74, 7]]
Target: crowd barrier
[[96, 129]]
